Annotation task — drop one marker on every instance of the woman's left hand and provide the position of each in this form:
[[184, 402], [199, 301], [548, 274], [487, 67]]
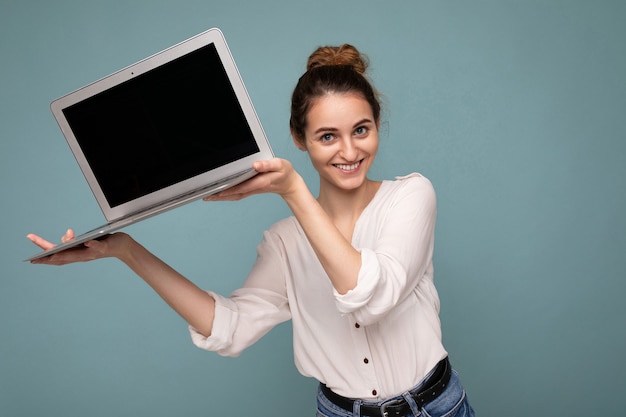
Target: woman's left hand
[[274, 176]]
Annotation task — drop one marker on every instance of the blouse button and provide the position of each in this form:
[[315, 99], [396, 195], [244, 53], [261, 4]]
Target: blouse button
[[374, 392], [357, 325], [365, 360]]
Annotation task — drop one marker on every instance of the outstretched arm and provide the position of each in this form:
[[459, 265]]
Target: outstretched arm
[[192, 303]]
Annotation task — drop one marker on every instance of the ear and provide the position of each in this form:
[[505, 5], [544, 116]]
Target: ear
[[298, 144]]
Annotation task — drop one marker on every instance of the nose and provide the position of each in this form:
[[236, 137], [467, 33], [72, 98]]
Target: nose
[[349, 150]]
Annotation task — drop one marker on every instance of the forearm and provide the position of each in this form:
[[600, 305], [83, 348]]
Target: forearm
[[336, 254], [195, 305]]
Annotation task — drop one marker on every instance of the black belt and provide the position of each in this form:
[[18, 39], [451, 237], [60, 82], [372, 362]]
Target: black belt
[[432, 388]]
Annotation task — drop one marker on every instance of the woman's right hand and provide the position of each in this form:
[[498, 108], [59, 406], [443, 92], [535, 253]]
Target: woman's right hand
[[110, 246]]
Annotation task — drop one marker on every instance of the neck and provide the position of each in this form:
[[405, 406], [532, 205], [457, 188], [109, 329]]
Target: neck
[[346, 205]]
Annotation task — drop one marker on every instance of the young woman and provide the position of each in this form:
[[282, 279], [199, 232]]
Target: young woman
[[351, 268]]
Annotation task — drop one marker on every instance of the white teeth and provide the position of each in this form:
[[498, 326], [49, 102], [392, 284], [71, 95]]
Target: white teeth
[[348, 167]]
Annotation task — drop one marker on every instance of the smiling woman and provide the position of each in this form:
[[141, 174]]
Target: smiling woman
[[341, 138], [351, 268]]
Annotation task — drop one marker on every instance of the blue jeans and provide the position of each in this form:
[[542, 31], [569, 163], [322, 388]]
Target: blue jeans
[[452, 402]]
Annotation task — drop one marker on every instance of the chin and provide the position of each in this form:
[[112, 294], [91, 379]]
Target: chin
[[350, 184]]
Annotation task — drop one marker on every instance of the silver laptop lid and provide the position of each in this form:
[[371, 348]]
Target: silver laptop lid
[[163, 127]]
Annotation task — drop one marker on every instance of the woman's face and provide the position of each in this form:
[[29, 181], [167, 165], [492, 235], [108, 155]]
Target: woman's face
[[342, 139]]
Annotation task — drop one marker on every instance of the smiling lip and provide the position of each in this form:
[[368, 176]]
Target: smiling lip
[[349, 167]]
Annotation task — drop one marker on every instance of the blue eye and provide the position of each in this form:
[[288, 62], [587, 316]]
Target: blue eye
[[361, 130], [327, 137]]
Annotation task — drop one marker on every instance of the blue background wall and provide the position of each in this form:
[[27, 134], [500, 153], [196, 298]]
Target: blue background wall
[[515, 110]]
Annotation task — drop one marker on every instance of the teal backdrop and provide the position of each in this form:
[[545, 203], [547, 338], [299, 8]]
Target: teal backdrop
[[514, 109]]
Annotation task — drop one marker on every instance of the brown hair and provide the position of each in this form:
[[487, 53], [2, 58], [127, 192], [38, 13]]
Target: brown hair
[[331, 69]]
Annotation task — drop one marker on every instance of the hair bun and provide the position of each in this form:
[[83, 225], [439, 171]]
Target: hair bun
[[345, 54]]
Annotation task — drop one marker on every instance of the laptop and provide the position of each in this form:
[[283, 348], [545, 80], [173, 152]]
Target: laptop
[[165, 131]]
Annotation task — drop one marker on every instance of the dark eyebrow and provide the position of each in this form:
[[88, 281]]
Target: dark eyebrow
[[334, 129], [326, 129], [364, 121]]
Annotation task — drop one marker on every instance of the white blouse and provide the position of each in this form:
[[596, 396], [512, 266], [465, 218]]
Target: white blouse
[[374, 342]]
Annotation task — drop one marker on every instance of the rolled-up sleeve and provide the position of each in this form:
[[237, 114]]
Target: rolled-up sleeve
[[251, 311], [225, 319], [396, 254]]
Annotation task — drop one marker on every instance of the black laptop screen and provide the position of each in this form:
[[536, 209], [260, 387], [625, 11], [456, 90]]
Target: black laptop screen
[[162, 127]]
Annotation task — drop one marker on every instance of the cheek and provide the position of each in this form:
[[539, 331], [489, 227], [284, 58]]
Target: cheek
[[317, 157], [373, 148]]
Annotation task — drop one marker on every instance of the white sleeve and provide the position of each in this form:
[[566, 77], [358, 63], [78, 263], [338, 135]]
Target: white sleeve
[[398, 257], [251, 311]]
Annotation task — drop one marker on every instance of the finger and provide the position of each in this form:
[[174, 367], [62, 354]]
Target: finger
[[261, 166], [58, 259], [229, 197], [49, 260], [247, 188], [267, 165], [69, 235], [39, 241]]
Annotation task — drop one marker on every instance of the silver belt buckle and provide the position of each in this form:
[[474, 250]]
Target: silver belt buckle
[[383, 407]]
